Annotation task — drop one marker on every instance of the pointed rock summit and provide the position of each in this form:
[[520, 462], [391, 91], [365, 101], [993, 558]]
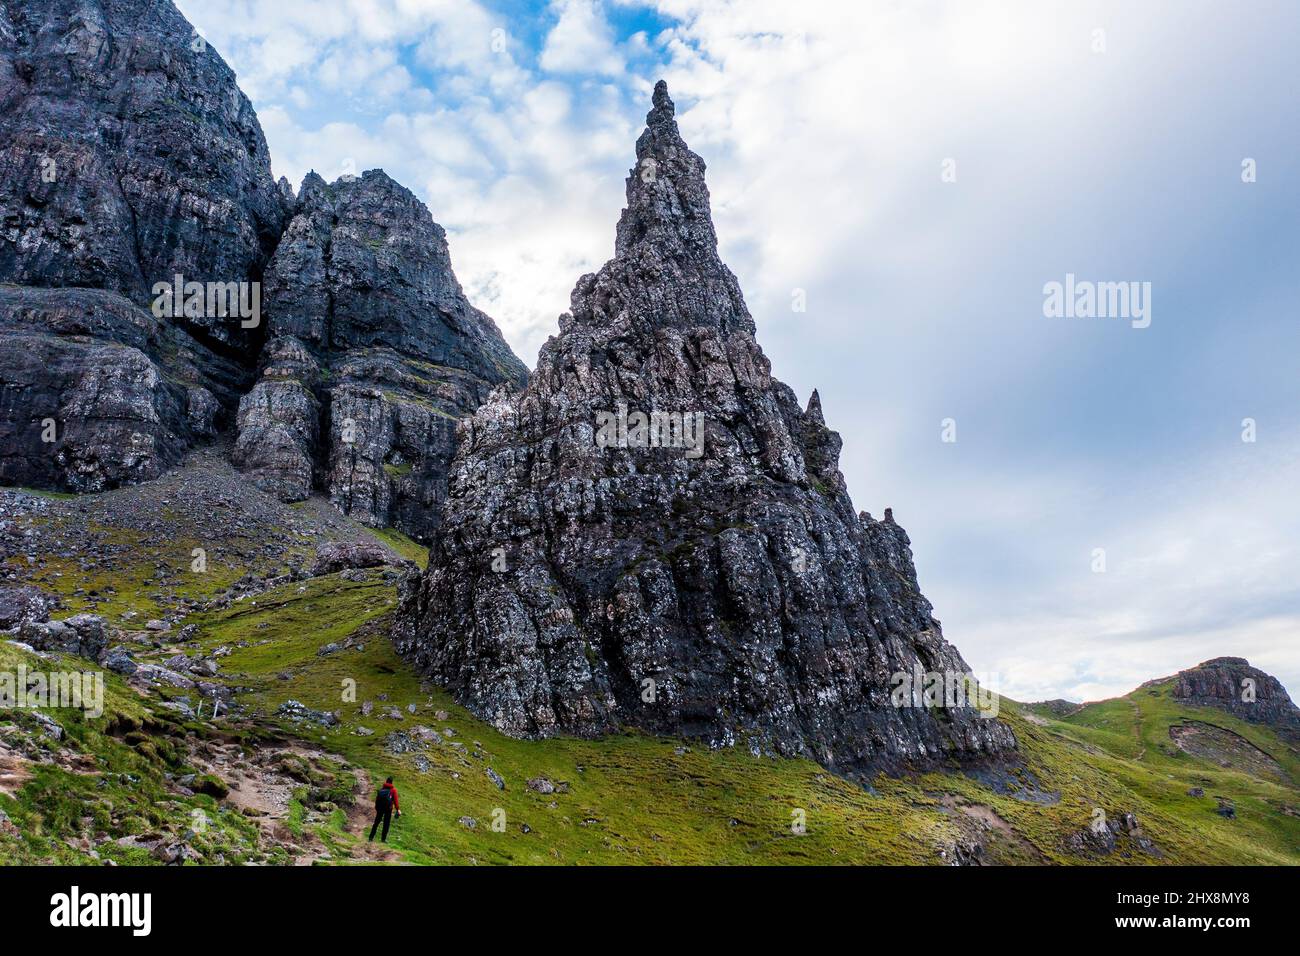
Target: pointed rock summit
[[666, 268], [814, 409], [654, 534]]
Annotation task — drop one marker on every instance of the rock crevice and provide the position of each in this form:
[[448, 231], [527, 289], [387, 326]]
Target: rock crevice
[[374, 352]]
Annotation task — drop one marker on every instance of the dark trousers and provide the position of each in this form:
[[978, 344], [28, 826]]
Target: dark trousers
[[386, 815]]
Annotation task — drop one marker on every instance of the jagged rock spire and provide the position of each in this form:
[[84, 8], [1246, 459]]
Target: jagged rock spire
[[667, 200], [665, 269], [723, 587], [814, 409]]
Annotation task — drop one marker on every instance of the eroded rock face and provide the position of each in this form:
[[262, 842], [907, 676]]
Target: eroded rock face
[[20, 603], [375, 353], [363, 265], [128, 156], [1231, 684], [279, 422], [584, 579], [96, 392]]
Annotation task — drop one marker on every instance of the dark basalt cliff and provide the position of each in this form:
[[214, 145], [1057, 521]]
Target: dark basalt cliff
[[128, 156], [727, 591], [96, 392], [374, 354]]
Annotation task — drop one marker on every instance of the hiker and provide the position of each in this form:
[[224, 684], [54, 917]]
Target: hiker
[[385, 805]]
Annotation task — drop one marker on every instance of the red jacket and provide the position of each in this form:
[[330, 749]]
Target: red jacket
[[392, 793]]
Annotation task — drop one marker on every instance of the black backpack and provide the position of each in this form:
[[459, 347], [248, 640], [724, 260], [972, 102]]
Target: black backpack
[[383, 800]]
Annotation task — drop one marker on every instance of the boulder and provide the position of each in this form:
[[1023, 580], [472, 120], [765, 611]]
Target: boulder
[[120, 661], [81, 634], [300, 713], [20, 602], [399, 742], [147, 674], [338, 556]]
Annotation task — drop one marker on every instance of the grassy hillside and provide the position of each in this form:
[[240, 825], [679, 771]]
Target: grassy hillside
[[1249, 766], [267, 788]]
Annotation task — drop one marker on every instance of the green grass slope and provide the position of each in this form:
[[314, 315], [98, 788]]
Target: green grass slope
[[623, 799]]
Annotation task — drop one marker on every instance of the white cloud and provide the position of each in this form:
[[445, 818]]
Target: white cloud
[[581, 41], [1200, 560], [272, 42]]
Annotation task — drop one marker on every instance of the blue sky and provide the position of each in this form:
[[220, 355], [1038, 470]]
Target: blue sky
[[1100, 139]]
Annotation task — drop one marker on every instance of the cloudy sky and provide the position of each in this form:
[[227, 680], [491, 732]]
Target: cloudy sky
[[920, 171]]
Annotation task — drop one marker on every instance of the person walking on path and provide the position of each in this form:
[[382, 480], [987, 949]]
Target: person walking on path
[[385, 805]]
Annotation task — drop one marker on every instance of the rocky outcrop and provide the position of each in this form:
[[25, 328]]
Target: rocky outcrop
[[129, 162], [1057, 707], [362, 265], [128, 157], [375, 353], [96, 392], [654, 533], [279, 422], [1231, 684]]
